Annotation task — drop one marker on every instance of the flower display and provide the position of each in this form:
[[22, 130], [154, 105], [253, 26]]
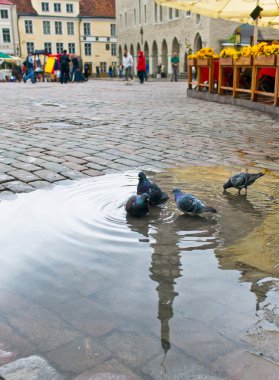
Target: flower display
[[204, 53], [230, 52]]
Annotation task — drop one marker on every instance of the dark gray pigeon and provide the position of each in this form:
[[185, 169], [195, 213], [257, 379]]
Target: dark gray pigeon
[[156, 195], [190, 204], [138, 205], [242, 181]]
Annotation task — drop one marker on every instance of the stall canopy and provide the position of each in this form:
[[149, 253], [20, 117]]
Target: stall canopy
[[5, 56], [234, 10]]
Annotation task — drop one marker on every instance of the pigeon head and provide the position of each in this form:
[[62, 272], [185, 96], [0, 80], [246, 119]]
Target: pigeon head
[[176, 191], [227, 185], [141, 175], [145, 197]]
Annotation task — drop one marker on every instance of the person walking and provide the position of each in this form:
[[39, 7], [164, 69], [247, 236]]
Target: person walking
[[29, 64], [75, 64], [64, 67], [97, 71], [175, 66], [141, 67], [128, 65]]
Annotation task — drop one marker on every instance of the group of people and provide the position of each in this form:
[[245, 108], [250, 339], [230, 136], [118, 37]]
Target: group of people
[[128, 63]]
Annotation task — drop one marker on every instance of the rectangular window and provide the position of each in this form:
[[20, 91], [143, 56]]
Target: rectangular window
[[161, 13], [113, 49], [28, 27], [170, 13], [59, 47], [58, 27], [48, 47], [30, 47], [87, 49], [145, 13], [69, 8], [135, 17], [107, 47], [155, 12], [45, 7], [86, 29], [176, 15], [6, 35], [70, 28], [72, 47], [121, 19], [188, 13], [57, 7], [4, 13], [139, 11], [103, 67], [126, 19], [46, 27], [198, 19], [113, 30]]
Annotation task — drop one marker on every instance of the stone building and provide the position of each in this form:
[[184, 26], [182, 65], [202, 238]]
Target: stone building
[[82, 27], [9, 42], [159, 31]]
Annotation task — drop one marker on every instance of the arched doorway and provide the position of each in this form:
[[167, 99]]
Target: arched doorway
[[197, 42], [146, 53], [120, 55], [154, 58], [165, 58], [175, 46], [138, 49], [132, 52], [125, 47]]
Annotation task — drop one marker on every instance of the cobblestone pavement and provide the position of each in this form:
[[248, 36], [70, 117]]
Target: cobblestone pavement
[[52, 133]]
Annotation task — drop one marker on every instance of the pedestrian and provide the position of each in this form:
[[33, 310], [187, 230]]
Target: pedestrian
[[86, 71], [64, 67], [159, 71], [141, 67], [163, 74], [29, 64], [175, 66], [110, 72], [97, 71], [120, 71], [74, 68], [128, 65], [147, 71]]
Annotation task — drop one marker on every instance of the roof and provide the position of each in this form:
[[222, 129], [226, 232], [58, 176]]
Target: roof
[[24, 7], [97, 8], [5, 2]]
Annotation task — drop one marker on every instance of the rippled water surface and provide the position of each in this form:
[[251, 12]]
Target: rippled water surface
[[164, 295]]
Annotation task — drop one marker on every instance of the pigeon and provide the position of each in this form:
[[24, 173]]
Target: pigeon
[[156, 195], [242, 180], [189, 203], [138, 205]]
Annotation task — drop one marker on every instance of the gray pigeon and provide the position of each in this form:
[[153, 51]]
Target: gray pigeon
[[190, 204], [138, 205], [242, 181]]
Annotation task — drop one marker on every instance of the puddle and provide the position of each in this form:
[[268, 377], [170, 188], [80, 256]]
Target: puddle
[[166, 287]]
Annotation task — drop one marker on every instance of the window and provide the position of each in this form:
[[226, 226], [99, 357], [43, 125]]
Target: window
[[57, 7], [198, 19], [97, 38], [72, 47], [28, 27], [170, 13], [70, 28], [188, 13], [139, 11], [113, 30], [87, 49], [107, 47], [45, 7], [30, 47], [176, 15], [113, 49], [126, 19], [135, 16], [161, 13], [4, 13], [46, 27], [103, 67], [155, 12], [145, 13], [58, 27], [59, 47], [121, 19], [48, 47], [86, 29], [69, 8], [6, 35]]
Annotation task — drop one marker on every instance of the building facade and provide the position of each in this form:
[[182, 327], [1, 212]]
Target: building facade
[[85, 28], [160, 31], [9, 41]]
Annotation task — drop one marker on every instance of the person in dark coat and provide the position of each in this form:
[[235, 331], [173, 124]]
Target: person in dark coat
[[141, 67], [64, 67]]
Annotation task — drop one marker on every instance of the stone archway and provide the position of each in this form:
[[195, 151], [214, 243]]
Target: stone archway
[[132, 52], [125, 47], [138, 49], [197, 42], [146, 53], [175, 46], [165, 57], [154, 58]]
